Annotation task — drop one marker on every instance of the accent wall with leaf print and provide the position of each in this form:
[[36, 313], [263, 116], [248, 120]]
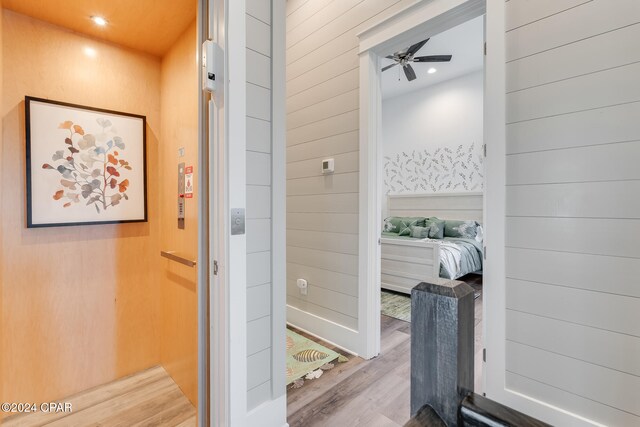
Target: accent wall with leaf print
[[84, 165]]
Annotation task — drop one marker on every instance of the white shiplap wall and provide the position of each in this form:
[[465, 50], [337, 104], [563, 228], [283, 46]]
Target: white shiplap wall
[[259, 197], [573, 211], [322, 122]]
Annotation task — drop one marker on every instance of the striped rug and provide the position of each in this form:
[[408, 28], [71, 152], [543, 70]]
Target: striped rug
[[396, 305]]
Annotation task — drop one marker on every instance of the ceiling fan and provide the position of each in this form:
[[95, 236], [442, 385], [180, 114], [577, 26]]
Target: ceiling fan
[[406, 56]]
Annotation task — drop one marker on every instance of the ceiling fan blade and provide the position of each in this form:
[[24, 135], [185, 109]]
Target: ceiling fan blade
[[390, 57], [433, 58], [389, 66], [409, 72], [413, 49]]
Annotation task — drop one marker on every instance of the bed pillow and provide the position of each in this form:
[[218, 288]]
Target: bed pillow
[[389, 226], [396, 224], [419, 232], [461, 229], [436, 227], [405, 225]]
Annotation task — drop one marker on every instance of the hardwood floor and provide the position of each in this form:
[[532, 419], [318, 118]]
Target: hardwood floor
[[358, 392], [147, 398], [372, 393]]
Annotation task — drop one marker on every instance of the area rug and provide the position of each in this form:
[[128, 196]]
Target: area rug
[[307, 359], [398, 305]]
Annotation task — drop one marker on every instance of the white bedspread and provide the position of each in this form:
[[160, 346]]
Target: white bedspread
[[450, 259]]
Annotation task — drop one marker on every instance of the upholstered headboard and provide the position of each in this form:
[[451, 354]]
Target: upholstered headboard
[[464, 206]]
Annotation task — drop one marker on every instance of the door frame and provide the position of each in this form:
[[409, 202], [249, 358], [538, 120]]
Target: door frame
[[417, 21], [213, 314], [224, 155], [221, 401]]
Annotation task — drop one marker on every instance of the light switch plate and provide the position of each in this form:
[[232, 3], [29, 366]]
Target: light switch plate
[[237, 221]]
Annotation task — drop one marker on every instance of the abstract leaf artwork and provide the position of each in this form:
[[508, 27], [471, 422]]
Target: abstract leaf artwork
[[442, 169], [90, 173], [84, 165]]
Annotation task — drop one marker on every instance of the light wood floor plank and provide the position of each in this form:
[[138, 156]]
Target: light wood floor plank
[[166, 409], [89, 398], [119, 404], [333, 406], [147, 398], [191, 422]]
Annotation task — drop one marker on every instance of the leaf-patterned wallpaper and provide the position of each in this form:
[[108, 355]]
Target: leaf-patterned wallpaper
[[441, 169]]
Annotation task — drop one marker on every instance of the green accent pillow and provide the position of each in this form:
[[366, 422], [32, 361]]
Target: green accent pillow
[[395, 224], [407, 223], [420, 232], [436, 227], [389, 226], [461, 229]]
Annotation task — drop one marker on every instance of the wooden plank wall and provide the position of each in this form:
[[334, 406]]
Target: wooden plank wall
[[258, 227], [463, 206], [322, 122], [573, 215]]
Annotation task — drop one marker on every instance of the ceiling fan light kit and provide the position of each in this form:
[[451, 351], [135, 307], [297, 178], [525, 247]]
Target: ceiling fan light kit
[[406, 57]]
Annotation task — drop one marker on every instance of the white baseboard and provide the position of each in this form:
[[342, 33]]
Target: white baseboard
[[269, 414], [333, 333]]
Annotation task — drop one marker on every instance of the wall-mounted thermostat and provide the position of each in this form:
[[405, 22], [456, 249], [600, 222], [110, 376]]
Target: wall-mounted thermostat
[[327, 166]]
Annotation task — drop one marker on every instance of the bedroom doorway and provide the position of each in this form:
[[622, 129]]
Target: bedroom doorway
[[421, 137], [432, 168]]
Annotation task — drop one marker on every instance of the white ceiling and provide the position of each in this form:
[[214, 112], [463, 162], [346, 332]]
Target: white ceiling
[[464, 42]]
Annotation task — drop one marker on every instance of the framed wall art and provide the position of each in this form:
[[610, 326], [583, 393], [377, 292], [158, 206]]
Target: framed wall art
[[85, 165]]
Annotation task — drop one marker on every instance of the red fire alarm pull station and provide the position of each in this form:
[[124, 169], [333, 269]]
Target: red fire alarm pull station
[[188, 178]]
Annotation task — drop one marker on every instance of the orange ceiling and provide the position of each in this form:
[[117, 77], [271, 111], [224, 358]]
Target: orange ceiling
[[148, 25]]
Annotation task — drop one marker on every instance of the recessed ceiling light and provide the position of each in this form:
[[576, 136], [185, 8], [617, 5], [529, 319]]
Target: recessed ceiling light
[[431, 70], [99, 20], [90, 52]]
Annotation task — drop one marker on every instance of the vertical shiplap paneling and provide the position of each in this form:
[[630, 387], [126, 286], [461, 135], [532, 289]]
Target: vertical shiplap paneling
[[572, 214], [259, 195]]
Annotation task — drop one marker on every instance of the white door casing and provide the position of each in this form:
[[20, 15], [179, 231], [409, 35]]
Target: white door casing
[[227, 159], [417, 21]]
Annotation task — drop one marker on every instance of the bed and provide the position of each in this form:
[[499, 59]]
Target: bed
[[406, 261]]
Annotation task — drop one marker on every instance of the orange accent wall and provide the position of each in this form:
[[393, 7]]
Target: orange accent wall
[[179, 322], [80, 305], [1, 216]]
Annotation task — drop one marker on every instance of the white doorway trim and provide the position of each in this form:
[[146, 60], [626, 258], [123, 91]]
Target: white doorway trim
[[417, 21], [227, 161], [235, 265]]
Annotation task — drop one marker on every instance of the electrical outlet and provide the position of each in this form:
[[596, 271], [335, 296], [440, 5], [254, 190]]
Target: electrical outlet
[[302, 285]]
